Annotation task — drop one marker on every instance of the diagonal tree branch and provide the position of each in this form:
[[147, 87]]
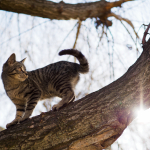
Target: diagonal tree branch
[[91, 123], [52, 10]]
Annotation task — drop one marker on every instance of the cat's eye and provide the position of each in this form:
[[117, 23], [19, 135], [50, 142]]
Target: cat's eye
[[19, 69]]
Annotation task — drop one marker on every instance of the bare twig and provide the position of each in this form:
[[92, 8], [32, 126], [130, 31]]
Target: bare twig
[[100, 36], [8, 23], [77, 34], [145, 34], [124, 19], [19, 33], [127, 21], [23, 32], [128, 32], [66, 37]]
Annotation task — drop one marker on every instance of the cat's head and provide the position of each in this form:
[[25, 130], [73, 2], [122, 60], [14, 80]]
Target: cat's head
[[15, 69]]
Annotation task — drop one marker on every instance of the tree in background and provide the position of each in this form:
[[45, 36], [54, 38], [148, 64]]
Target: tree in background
[[109, 35]]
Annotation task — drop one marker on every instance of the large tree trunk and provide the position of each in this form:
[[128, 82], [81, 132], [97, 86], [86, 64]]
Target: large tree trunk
[[52, 10], [91, 123]]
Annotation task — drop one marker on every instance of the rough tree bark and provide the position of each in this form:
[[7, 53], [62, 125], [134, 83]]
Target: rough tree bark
[[52, 10], [91, 123]]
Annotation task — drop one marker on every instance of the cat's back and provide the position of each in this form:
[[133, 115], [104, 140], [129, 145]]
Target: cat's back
[[49, 77], [54, 70]]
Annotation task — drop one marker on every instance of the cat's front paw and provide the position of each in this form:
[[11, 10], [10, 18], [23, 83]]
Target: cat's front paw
[[11, 124], [23, 119], [56, 107]]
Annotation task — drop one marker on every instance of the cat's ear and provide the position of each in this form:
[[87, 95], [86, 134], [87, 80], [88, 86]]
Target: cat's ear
[[12, 59], [23, 60]]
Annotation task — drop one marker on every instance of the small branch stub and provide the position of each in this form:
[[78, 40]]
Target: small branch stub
[[145, 34]]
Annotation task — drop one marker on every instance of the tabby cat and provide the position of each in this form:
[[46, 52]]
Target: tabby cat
[[26, 88]]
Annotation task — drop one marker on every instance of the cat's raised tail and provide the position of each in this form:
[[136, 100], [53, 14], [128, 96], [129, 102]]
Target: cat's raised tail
[[84, 66]]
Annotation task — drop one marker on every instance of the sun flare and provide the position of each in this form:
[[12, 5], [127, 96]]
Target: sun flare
[[143, 115]]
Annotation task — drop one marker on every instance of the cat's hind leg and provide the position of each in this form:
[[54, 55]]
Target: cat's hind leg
[[67, 97]]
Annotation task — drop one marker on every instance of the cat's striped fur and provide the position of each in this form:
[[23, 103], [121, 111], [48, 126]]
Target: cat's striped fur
[[26, 88]]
